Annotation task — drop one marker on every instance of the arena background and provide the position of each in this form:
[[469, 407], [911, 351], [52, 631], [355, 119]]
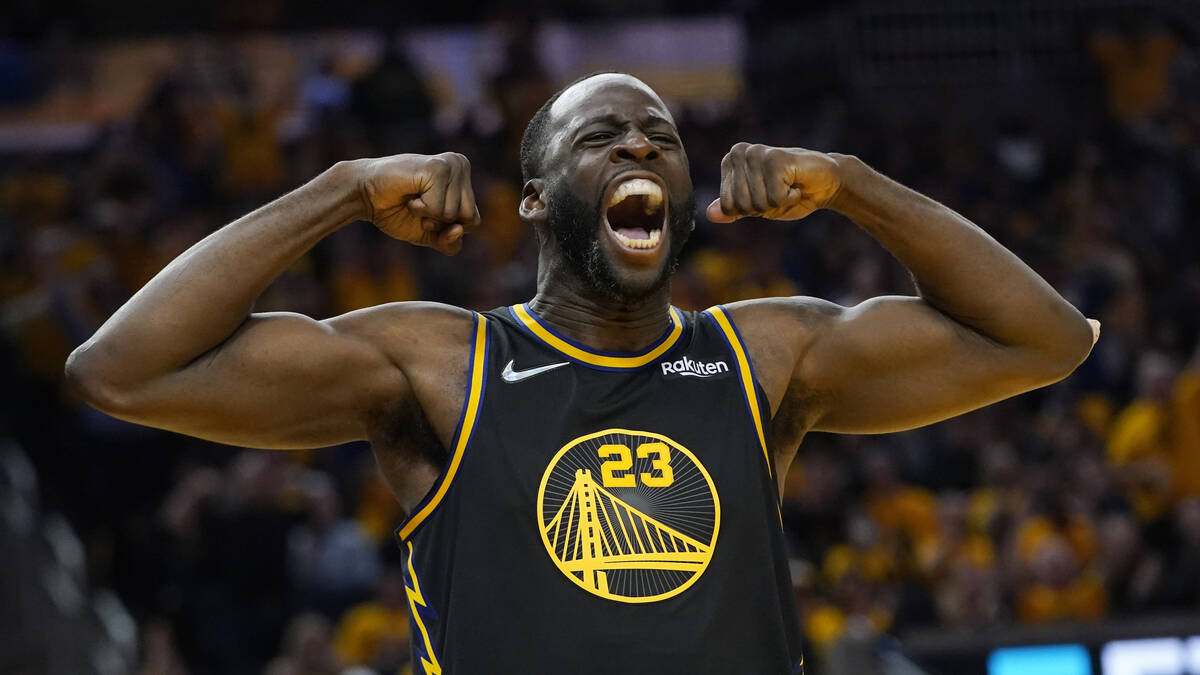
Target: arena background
[[1070, 130]]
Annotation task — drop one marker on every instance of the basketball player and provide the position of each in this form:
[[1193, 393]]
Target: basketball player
[[592, 477]]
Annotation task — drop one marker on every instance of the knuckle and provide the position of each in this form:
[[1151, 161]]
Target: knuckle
[[773, 157]]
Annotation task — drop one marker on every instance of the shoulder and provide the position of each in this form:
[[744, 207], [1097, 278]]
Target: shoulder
[[793, 320], [778, 333], [430, 343], [408, 330], [795, 308]]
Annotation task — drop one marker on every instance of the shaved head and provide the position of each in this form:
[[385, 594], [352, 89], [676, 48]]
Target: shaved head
[[575, 93], [540, 129]]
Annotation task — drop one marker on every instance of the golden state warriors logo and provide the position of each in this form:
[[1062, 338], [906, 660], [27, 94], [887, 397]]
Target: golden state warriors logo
[[628, 515]]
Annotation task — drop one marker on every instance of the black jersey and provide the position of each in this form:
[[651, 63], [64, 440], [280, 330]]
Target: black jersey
[[603, 512]]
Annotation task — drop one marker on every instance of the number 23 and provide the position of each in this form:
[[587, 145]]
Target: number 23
[[615, 470]]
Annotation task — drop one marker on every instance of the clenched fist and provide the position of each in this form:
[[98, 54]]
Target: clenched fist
[[422, 199], [776, 183]]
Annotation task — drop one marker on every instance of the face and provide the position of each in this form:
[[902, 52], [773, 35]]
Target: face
[[616, 190]]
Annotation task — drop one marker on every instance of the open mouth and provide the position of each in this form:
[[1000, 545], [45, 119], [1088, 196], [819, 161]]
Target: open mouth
[[636, 213]]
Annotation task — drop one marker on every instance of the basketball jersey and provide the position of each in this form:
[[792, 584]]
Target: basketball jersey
[[603, 512]]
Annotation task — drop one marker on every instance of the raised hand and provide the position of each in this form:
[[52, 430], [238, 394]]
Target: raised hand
[[777, 183], [426, 200]]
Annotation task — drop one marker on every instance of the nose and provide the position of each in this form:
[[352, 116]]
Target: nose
[[634, 146]]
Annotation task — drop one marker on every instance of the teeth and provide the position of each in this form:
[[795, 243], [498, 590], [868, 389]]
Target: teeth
[[649, 243], [641, 187]]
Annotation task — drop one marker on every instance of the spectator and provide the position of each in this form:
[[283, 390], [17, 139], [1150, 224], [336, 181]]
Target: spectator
[[307, 649], [375, 633], [1060, 587], [1132, 572], [332, 561], [1137, 69], [1182, 587]]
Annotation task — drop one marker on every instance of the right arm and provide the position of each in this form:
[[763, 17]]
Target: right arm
[[186, 354]]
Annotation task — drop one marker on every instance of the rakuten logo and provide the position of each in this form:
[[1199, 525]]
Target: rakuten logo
[[687, 367]]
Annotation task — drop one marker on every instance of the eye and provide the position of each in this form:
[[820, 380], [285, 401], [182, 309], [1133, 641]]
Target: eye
[[598, 136], [663, 138]]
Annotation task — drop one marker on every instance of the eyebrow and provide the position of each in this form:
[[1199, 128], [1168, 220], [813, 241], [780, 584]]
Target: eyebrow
[[649, 118]]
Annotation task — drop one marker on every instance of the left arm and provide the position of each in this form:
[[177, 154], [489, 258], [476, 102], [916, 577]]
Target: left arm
[[984, 326]]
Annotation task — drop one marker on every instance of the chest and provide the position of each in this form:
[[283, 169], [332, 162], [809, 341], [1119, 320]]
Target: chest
[[675, 428]]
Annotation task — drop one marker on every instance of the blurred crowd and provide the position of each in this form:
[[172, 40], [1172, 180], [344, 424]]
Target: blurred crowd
[[1073, 503]]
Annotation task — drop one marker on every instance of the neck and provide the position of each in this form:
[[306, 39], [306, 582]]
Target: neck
[[600, 323]]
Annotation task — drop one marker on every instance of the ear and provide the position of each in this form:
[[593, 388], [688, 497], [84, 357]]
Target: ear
[[533, 206]]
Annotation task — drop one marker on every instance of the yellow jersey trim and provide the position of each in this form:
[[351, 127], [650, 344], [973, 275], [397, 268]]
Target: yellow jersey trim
[[582, 354], [739, 352], [470, 414], [429, 662]]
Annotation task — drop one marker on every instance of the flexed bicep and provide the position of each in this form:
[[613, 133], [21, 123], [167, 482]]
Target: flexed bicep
[[280, 381], [894, 363]]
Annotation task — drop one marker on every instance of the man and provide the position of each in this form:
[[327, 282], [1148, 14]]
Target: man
[[592, 477]]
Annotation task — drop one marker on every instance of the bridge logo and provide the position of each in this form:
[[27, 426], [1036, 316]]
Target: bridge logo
[[630, 516]]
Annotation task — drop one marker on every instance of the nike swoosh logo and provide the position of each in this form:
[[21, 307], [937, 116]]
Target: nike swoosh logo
[[510, 375]]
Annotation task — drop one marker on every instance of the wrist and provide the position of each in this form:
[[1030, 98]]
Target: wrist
[[851, 172], [342, 183]]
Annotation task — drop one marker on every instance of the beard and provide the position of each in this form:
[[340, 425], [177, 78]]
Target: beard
[[574, 224]]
